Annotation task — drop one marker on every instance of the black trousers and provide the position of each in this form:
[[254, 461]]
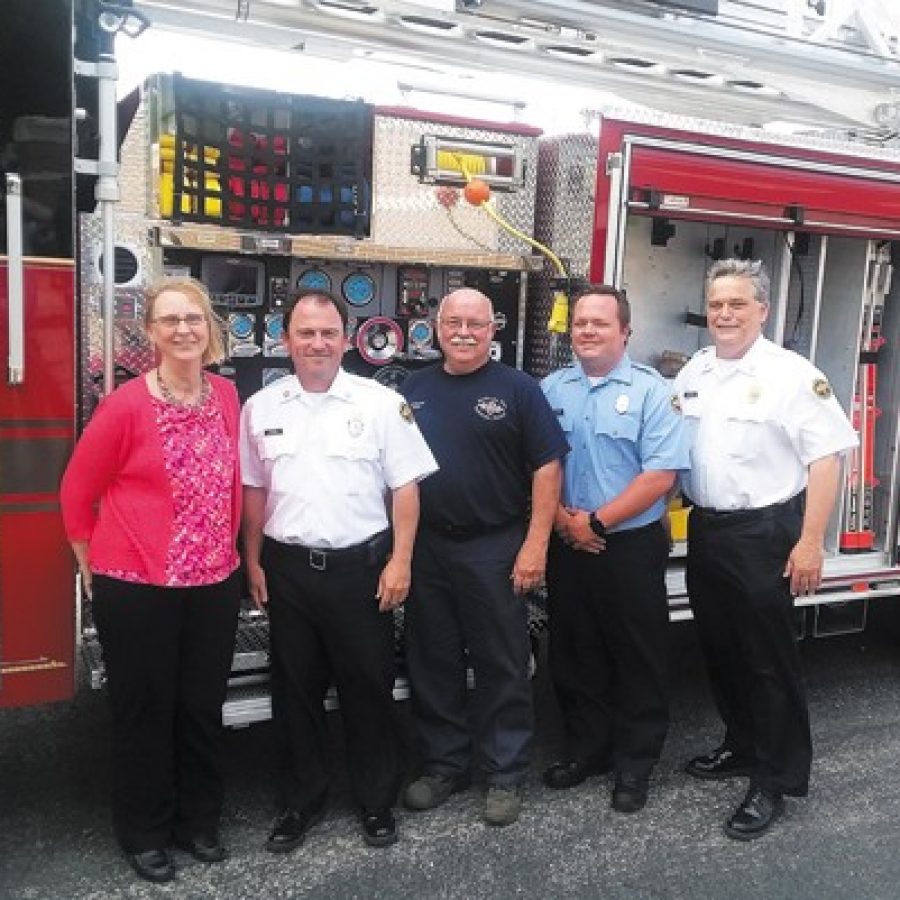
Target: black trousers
[[167, 653], [463, 612], [609, 625], [325, 626], [744, 614]]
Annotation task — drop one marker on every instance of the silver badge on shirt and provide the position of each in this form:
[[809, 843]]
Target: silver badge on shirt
[[355, 427], [622, 403]]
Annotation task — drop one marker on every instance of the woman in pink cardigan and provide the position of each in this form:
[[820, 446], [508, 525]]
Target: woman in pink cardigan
[[151, 505]]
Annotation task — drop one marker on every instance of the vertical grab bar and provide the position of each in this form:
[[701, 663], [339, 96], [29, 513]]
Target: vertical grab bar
[[15, 300]]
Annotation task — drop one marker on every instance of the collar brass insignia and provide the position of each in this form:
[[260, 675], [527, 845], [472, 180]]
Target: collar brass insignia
[[821, 388]]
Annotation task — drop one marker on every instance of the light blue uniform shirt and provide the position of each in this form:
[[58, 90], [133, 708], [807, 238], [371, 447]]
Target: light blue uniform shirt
[[624, 425]]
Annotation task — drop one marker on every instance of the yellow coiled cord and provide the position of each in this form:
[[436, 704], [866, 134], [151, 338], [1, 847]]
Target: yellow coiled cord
[[469, 163]]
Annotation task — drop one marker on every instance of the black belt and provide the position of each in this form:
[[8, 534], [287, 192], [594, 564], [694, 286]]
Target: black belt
[[759, 514], [632, 532], [368, 553], [466, 532], [614, 537]]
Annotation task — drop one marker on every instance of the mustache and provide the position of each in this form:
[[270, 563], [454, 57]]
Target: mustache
[[463, 341]]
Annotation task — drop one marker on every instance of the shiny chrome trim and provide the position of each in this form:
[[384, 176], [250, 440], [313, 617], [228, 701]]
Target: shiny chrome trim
[[16, 291]]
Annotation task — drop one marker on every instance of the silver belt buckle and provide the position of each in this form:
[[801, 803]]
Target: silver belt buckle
[[317, 560]]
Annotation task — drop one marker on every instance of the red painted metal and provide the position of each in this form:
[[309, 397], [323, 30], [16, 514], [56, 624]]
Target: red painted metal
[[756, 188], [37, 601], [742, 189]]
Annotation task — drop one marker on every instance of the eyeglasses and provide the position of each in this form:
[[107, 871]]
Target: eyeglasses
[[455, 324], [192, 320]]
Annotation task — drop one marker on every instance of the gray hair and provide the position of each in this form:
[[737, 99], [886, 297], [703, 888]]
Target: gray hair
[[752, 270]]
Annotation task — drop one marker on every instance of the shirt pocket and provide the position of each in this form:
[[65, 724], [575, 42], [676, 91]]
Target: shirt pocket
[[691, 408], [690, 416], [618, 439], [355, 463], [273, 445], [744, 431]]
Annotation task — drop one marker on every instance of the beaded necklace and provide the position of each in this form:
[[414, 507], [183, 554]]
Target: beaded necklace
[[167, 394]]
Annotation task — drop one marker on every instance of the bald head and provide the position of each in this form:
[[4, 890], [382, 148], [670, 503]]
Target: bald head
[[467, 296], [465, 330]]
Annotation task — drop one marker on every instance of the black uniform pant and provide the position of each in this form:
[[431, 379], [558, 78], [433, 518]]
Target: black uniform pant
[[463, 612], [326, 626], [744, 613], [608, 648], [167, 653]]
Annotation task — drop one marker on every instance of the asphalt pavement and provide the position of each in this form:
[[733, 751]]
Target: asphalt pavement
[[840, 842]]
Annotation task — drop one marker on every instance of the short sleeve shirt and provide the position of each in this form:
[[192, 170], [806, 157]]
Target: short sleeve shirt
[[489, 431], [623, 425], [755, 425], [328, 461]]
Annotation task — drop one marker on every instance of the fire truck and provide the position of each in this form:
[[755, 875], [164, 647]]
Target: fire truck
[[261, 192]]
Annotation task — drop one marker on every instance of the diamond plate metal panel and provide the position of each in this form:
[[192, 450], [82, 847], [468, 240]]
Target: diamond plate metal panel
[[133, 352], [800, 142], [406, 213], [566, 184], [134, 171]]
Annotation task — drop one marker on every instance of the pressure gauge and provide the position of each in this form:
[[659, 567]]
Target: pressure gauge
[[392, 376], [421, 333], [274, 327], [358, 289], [240, 325], [314, 280]]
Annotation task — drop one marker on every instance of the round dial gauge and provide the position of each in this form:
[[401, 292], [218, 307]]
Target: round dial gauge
[[358, 289], [314, 280], [241, 326], [420, 331], [391, 376], [275, 328]]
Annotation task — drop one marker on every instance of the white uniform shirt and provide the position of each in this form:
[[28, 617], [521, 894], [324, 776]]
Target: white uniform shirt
[[755, 424], [329, 460]]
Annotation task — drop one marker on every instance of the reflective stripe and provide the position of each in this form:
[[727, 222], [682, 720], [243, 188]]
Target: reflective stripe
[[33, 465]]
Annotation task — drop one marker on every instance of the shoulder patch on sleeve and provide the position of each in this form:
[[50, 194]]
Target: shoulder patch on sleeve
[[821, 388], [406, 413]]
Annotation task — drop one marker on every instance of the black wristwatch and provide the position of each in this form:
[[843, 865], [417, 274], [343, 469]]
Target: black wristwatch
[[596, 525]]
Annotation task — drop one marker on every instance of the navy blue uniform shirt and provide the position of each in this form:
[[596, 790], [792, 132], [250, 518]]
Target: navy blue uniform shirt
[[488, 430]]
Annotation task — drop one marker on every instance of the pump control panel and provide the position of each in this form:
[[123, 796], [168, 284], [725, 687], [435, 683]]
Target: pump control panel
[[392, 326]]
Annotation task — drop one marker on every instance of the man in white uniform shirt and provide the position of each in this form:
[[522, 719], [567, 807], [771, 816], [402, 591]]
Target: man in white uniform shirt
[[766, 442], [320, 452]]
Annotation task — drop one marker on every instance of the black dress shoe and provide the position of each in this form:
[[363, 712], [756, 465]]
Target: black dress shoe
[[291, 826], [203, 847], [152, 865], [629, 792], [754, 817], [721, 763], [378, 827], [568, 773]]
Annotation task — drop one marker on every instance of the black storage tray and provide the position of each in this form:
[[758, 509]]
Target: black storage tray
[[256, 159]]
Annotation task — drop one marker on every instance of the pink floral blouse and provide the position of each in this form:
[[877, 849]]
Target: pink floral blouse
[[199, 458]]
